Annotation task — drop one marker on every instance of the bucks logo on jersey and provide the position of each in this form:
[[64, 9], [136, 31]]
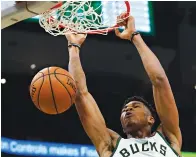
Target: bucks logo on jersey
[[155, 146], [146, 147]]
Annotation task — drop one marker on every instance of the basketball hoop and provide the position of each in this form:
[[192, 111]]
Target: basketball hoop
[[82, 17]]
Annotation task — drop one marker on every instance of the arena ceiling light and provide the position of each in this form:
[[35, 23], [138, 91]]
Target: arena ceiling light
[[3, 81]]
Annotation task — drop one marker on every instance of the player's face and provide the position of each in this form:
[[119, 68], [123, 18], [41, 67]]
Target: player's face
[[135, 115]]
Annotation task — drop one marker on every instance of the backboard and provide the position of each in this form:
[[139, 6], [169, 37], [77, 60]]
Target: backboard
[[13, 12]]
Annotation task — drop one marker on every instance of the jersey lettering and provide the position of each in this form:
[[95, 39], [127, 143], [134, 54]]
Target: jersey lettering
[[124, 152], [136, 149], [153, 146], [147, 146], [143, 147], [163, 149]]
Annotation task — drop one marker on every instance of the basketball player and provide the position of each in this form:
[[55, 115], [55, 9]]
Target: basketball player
[[137, 116]]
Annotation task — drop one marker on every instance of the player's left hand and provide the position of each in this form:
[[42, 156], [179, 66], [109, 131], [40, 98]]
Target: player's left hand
[[128, 23], [75, 38]]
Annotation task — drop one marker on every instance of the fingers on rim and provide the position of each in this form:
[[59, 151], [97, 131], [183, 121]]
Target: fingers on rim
[[124, 15]]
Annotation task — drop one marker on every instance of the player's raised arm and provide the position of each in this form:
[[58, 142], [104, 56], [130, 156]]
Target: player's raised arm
[[163, 96], [89, 113]]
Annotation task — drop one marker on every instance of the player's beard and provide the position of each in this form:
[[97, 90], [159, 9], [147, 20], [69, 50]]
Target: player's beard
[[133, 124]]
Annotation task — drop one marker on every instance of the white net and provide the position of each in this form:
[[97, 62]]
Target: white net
[[82, 17]]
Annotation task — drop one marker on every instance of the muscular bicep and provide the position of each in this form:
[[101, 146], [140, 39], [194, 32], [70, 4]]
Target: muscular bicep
[[93, 123], [167, 110]]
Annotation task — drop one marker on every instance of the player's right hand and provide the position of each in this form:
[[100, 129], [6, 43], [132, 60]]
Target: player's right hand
[[129, 24], [75, 38]]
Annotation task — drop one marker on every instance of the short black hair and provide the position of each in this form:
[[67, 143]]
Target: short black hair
[[141, 99]]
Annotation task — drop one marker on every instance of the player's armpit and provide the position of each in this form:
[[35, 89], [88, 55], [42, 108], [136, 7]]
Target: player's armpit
[[167, 110], [93, 123], [114, 136], [174, 142]]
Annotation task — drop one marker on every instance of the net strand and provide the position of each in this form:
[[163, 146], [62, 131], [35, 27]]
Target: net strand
[[80, 17]]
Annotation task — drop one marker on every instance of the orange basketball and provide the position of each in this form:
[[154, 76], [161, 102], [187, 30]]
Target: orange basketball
[[53, 90]]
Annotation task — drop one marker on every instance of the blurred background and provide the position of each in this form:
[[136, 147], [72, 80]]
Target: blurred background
[[114, 72]]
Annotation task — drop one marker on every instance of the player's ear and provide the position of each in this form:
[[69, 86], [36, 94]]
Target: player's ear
[[151, 120]]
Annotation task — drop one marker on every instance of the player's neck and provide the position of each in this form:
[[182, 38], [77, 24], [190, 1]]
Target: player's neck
[[140, 133]]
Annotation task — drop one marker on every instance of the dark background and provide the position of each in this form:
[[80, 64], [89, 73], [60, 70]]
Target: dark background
[[114, 72]]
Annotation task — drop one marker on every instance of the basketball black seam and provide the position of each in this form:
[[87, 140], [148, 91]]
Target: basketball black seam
[[40, 92], [56, 69], [63, 86], [52, 92], [51, 74]]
